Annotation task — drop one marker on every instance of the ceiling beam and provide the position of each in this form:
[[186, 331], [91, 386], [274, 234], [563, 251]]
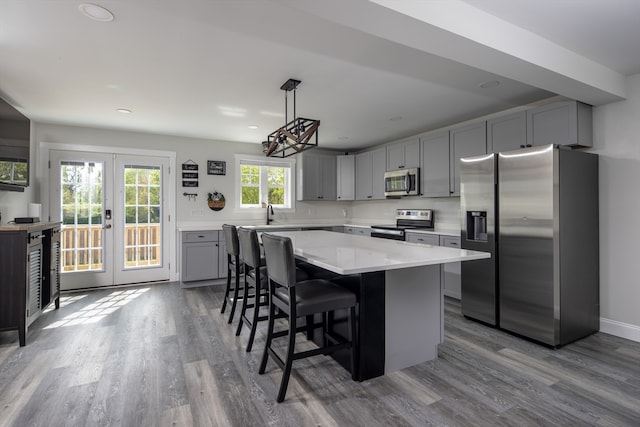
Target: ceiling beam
[[457, 31]]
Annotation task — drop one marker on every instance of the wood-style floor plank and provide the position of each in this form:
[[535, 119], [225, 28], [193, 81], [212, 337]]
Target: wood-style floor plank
[[160, 355]]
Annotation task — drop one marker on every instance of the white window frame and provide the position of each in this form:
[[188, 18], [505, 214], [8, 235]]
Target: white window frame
[[289, 163]]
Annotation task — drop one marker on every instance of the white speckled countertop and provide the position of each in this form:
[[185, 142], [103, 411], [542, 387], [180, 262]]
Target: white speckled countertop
[[352, 254]]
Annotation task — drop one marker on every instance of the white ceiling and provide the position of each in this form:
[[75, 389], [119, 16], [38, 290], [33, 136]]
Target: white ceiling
[[211, 68]]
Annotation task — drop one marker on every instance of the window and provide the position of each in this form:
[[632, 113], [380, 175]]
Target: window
[[264, 182]]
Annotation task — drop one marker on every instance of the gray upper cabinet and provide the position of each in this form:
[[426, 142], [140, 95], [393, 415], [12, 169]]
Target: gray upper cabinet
[[434, 171], [346, 185], [465, 141], [507, 133], [378, 161], [403, 155], [316, 177], [370, 169], [561, 123]]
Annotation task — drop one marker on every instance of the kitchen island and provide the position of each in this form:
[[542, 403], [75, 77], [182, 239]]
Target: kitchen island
[[400, 299]]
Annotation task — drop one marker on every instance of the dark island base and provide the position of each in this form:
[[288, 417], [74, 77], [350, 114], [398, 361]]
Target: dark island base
[[370, 292]]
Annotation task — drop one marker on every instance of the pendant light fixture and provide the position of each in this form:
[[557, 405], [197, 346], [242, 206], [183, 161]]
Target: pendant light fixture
[[295, 136]]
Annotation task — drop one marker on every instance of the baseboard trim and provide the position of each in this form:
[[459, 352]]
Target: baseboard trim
[[619, 329]]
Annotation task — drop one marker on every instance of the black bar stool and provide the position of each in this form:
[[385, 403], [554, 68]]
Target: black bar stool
[[234, 265], [255, 277], [302, 299]]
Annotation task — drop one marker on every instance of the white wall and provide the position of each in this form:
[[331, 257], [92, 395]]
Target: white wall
[[617, 141], [199, 150]]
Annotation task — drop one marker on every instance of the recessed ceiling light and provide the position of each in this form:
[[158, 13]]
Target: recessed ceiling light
[[123, 111], [489, 84], [253, 126], [95, 12]]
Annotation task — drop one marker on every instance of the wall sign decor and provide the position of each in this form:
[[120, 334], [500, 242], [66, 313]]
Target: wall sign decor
[[189, 174], [216, 167], [216, 201]]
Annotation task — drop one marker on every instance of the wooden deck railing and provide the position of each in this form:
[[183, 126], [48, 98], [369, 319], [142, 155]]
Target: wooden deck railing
[[82, 246]]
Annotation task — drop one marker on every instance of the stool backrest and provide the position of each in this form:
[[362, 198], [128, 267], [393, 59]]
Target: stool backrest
[[249, 247], [231, 239], [281, 263]]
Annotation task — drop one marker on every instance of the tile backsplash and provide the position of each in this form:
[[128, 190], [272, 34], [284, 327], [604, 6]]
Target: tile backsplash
[[446, 210]]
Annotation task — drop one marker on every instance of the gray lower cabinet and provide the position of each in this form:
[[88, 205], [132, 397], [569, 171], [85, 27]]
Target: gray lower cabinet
[[362, 231], [451, 272], [200, 255], [423, 239], [450, 275], [223, 260]]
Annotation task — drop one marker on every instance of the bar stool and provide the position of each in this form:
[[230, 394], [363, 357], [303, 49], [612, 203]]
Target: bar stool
[[234, 265], [255, 276], [301, 299]]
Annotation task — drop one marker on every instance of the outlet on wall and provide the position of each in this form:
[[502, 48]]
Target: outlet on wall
[[197, 212]]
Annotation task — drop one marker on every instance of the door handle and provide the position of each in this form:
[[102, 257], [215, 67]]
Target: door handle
[[107, 226]]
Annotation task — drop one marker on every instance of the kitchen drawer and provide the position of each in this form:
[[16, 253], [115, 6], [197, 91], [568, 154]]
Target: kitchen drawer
[[450, 242], [362, 231], [424, 239], [200, 236]]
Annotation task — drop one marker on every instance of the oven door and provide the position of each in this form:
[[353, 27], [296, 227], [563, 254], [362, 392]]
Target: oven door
[[387, 233], [401, 182]]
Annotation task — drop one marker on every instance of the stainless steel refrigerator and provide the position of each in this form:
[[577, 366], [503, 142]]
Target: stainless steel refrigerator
[[541, 225]]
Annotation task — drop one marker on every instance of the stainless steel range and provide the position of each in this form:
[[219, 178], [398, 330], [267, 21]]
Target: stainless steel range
[[406, 219]]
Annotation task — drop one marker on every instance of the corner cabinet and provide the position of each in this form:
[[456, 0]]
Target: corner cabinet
[[30, 280], [316, 177], [560, 123], [346, 171]]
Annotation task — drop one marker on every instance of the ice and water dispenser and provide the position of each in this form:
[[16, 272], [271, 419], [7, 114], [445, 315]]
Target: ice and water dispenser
[[477, 226]]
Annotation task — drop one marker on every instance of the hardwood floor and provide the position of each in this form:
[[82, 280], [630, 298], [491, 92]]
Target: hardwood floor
[[161, 355]]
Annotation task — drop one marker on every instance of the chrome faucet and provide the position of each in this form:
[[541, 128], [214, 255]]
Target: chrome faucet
[[269, 210]]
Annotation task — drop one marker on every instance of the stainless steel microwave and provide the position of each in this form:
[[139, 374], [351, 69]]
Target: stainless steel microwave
[[402, 182]]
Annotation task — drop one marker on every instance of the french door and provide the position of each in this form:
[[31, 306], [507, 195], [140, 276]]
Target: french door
[[114, 217]]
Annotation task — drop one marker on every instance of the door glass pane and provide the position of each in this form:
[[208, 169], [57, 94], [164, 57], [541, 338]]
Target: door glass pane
[[142, 233], [81, 212]]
